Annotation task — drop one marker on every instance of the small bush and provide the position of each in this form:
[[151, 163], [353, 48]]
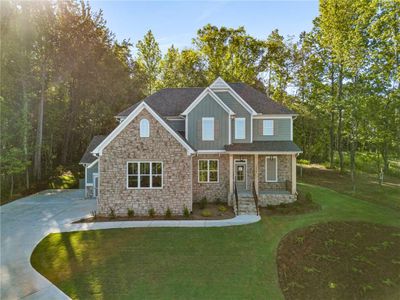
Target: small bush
[[168, 213], [111, 214], [222, 208], [303, 161], [203, 203], [206, 213], [94, 214], [152, 213], [186, 212], [218, 201], [131, 212]]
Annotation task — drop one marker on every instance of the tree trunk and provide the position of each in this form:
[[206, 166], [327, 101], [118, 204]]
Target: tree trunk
[[69, 125], [340, 124], [332, 125], [37, 163], [353, 147], [385, 158], [25, 131], [12, 186]]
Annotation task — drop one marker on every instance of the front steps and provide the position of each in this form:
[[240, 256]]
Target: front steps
[[246, 204]]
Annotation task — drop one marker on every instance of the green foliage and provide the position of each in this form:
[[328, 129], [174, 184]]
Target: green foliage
[[206, 213], [203, 203], [111, 214], [218, 201], [168, 213], [130, 212], [152, 212], [64, 179], [94, 214], [222, 208], [186, 212]]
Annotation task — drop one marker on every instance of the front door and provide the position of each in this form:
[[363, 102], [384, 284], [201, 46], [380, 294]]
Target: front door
[[240, 174]]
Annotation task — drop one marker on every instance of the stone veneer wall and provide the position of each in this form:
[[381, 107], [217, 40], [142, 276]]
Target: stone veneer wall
[[275, 199], [284, 172], [211, 190], [160, 146]]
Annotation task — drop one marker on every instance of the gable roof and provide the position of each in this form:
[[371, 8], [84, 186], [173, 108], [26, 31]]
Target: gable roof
[[142, 105], [88, 157], [174, 101], [207, 91]]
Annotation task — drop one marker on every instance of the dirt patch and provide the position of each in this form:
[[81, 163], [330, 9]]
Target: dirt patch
[[214, 212], [303, 204], [340, 260]]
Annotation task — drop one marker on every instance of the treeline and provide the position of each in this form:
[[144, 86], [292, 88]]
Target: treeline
[[64, 76]]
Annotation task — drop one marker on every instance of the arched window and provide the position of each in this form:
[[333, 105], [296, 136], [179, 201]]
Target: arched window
[[144, 128]]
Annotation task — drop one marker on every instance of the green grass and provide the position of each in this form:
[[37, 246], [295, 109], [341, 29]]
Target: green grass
[[367, 185], [188, 263]]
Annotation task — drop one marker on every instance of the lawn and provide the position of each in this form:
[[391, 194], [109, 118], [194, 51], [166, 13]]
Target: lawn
[[367, 185], [188, 263]]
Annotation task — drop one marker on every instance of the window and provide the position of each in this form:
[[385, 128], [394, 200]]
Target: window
[[145, 175], [268, 127], [207, 129], [271, 169], [240, 128], [208, 170], [144, 128]]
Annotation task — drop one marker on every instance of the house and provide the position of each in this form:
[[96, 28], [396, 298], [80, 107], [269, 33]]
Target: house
[[179, 145]]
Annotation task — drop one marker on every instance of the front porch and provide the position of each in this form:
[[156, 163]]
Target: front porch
[[269, 176]]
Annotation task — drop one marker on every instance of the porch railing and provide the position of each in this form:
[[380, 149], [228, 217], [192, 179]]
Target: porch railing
[[255, 196], [236, 197]]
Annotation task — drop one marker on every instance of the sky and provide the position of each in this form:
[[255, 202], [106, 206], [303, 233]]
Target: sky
[[176, 22]]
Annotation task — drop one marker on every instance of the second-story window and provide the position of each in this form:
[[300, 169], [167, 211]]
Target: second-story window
[[268, 127], [240, 128], [207, 129], [144, 128]]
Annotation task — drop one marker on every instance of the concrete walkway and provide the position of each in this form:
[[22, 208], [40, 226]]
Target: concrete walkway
[[25, 222]]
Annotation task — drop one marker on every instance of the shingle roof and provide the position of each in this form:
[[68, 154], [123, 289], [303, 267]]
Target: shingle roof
[[173, 101], [266, 146], [88, 157]]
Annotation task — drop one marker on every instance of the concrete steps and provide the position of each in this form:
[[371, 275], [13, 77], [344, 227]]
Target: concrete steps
[[247, 205]]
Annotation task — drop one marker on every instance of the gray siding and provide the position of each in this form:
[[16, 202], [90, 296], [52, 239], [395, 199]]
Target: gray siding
[[208, 107], [281, 130], [90, 171], [240, 112]]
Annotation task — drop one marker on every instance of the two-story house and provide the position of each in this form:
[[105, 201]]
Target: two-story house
[[179, 145]]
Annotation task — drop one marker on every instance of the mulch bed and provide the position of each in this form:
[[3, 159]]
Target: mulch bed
[[340, 260], [216, 214], [302, 205]]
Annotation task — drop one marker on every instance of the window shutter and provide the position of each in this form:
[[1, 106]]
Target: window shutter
[[199, 124], [216, 129]]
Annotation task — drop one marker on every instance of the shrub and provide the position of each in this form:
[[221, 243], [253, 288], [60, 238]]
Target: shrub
[[218, 201], [303, 161], [94, 214], [222, 208], [206, 213], [152, 212], [168, 213], [111, 213], [203, 203], [131, 212], [308, 197], [186, 212]]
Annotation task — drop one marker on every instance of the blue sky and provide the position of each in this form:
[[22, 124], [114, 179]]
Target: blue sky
[[176, 22]]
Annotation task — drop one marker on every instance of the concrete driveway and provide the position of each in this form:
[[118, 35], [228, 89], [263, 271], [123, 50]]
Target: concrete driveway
[[24, 223]]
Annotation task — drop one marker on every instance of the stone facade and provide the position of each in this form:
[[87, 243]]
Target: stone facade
[[284, 173], [129, 146], [275, 199], [89, 191], [210, 190]]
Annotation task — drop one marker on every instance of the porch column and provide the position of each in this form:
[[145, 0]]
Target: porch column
[[230, 174], [293, 173], [256, 172]]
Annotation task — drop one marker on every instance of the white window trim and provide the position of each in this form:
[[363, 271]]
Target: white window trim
[[273, 127], [151, 175], [202, 129], [208, 170], [142, 132], [244, 127], [266, 168]]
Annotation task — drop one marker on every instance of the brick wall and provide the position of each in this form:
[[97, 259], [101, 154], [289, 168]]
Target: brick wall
[[284, 172], [160, 146]]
